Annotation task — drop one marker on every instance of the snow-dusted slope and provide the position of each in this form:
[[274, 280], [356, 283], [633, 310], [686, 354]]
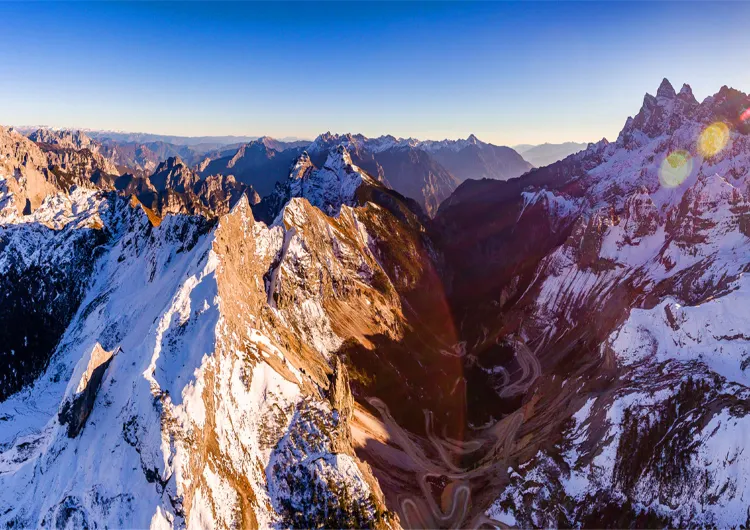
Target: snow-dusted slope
[[333, 185], [581, 360], [179, 393], [639, 317], [328, 188]]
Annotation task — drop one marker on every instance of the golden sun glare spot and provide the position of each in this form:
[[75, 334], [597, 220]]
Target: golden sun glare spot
[[713, 139], [675, 168]]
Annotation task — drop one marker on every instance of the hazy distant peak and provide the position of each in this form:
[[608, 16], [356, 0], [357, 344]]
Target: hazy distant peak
[[75, 139], [547, 153]]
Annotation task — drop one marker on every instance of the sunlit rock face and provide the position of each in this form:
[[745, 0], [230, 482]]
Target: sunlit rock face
[[198, 374], [181, 385]]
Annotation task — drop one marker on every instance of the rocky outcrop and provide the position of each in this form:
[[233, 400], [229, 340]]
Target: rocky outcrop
[[662, 114], [74, 159], [342, 403], [77, 409], [174, 175], [142, 158], [640, 218], [24, 170]]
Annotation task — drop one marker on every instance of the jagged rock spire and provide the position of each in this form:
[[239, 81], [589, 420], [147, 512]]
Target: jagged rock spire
[[666, 90], [687, 93]]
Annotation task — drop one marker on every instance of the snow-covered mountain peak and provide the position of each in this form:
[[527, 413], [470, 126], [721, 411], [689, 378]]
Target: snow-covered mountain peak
[[653, 275], [339, 160], [453, 145], [328, 140], [662, 114], [328, 188], [301, 166]]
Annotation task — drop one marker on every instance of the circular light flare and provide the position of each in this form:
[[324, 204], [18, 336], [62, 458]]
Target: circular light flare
[[745, 116], [713, 139], [675, 168]]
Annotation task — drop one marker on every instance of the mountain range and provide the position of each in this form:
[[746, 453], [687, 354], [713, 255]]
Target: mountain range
[[426, 171], [393, 333]]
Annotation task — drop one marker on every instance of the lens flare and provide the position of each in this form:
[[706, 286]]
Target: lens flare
[[675, 168], [745, 116], [713, 139]]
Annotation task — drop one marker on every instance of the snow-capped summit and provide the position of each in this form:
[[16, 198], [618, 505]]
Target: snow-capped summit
[[333, 185], [663, 114]]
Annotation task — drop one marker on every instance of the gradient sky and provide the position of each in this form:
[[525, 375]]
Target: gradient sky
[[510, 73]]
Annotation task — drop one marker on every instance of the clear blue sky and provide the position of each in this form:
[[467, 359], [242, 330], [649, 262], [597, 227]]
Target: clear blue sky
[[509, 72]]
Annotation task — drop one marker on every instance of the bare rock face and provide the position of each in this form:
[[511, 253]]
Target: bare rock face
[[173, 174], [77, 409], [75, 159], [664, 113], [640, 218], [24, 167], [66, 139], [80, 167], [260, 164], [176, 189], [342, 403], [692, 220]]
